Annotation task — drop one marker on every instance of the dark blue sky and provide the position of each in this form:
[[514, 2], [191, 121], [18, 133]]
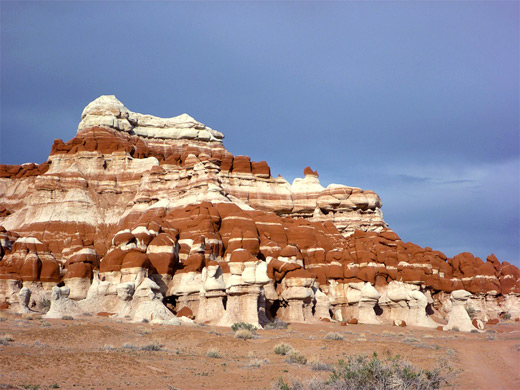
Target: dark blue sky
[[418, 101]]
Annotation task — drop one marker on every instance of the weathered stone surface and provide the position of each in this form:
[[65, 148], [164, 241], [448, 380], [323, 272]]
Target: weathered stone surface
[[137, 211]]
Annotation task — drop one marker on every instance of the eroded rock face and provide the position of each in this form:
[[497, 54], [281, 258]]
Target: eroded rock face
[[137, 211], [458, 318]]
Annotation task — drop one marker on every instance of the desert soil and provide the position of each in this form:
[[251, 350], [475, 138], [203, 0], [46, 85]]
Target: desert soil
[[102, 353]]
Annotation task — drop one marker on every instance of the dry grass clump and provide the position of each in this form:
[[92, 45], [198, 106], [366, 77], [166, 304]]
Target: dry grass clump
[[5, 339], [276, 324], [282, 349], [317, 365], [243, 325], [295, 356], [213, 353], [143, 331], [129, 346], [256, 362], [153, 346], [244, 334], [334, 336], [361, 372]]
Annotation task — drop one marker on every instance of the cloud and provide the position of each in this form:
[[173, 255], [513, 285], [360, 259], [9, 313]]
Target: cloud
[[417, 101]]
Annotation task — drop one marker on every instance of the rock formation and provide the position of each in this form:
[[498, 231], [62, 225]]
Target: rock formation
[[144, 217]]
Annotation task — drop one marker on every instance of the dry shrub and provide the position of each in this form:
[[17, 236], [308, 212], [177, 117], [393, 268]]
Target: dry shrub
[[295, 356], [213, 353], [244, 334], [361, 372], [282, 349], [334, 336]]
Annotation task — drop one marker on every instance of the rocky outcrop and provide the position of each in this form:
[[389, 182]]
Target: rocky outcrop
[[137, 214], [458, 318]]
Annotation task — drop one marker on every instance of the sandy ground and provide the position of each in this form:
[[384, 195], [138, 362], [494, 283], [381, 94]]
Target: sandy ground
[[101, 353]]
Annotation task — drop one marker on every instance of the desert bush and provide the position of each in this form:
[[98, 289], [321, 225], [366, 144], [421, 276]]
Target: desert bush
[[255, 362], [334, 336], [143, 331], [153, 346], [244, 334], [450, 352], [276, 324], [108, 347], [129, 346], [294, 356], [316, 365], [243, 326], [282, 349], [507, 316], [5, 339], [68, 318], [213, 353], [362, 372]]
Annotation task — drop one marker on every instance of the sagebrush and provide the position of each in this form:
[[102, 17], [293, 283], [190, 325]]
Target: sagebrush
[[243, 325], [362, 372]]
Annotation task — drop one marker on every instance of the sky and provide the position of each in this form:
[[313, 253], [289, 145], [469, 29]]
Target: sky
[[418, 101]]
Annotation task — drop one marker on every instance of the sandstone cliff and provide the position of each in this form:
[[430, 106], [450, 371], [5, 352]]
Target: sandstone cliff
[[137, 211]]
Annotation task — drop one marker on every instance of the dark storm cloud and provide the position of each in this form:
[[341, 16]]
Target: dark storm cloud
[[418, 101]]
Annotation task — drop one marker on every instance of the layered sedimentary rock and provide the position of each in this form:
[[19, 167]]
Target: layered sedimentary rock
[[138, 212]]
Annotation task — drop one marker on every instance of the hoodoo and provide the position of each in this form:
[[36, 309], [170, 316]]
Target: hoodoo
[[148, 217]]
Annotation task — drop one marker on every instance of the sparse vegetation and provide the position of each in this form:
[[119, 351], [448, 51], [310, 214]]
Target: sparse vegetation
[[507, 316], [334, 336], [129, 346], [255, 362], [361, 372], [295, 356], [153, 346], [244, 334], [68, 318], [143, 331], [316, 365], [213, 353], [276, 324], [5, 339], [243, 325], [282, 349]]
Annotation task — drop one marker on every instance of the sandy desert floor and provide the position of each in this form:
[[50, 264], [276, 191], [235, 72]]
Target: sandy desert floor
[[101, 353]]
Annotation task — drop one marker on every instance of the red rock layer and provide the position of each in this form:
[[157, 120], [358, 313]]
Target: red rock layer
[[110, 199], [209, 232]]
